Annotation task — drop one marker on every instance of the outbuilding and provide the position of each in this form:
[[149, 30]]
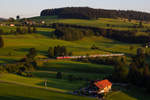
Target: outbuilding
[[104, 86]]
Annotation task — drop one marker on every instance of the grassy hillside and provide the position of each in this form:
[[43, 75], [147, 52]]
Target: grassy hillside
[[16, 46], [49, 70], [14, 87], [85, 71], [41, 18], [119, 24], [19, 92], [134, 93], [17, 87], [33, 88]]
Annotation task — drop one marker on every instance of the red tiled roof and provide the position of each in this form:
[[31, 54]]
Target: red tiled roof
[[102, 84]]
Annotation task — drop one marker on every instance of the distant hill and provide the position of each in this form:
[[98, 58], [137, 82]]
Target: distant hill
[[2, 19], [90, 13], [39, 18]]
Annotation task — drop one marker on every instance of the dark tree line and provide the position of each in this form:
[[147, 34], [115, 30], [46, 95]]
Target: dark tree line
[[100, 60], [20, 30], [58, 51], [1, 42], [24, 30], [22, 67], [71, 33], [90, 13], [76, 32], [137, 73]]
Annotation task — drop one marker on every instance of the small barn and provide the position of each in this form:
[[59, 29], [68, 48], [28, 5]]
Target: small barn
[[12, 25], [104, 86], [147, 45], [96, 88]]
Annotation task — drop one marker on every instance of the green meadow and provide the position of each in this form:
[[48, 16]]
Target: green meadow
[[48, 71], [17, 46], [20, 92], [118, 23], [14, 87], [57, 89]]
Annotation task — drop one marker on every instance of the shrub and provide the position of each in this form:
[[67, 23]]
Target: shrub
[[59, 75], [1, 42], [70, 78]]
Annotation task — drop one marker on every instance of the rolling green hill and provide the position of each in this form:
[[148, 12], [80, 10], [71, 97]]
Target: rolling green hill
[[49, 70], [17, 46], [118, 24], [20, 92], [14, 87], [57, 89]]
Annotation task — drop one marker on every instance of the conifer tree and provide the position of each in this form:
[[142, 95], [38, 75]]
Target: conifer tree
[[34, 29], [50, 52], [59, 75], [120, 72], [1, 42], [32, 53]]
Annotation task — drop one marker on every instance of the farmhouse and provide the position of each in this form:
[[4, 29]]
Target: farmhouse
[[95, 88], [42, 22], [104, 86], [12, 25], [148, 45], [2, 24]]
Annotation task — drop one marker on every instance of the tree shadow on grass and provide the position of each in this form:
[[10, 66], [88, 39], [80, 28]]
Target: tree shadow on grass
[[44, 75], [76, 67], [45, 33], [3, 60], [26, 50], [136, 92], [17, 98]]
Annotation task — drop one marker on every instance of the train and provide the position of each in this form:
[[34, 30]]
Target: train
[[90, 56]]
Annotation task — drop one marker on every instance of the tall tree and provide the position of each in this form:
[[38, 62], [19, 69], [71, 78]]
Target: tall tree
[[120, 71], [50, 52], [18, 30], [140, 24], [133, 75], [138, 70], [146, 75], [29, 29], [59, 75], [1, 32], [11, 19], [34, 29], [63, 51], [1, 42], [32, 53], [17, 17]]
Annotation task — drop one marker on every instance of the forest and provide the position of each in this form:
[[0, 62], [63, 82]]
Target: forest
[[75, 32], [136, 73], [90, 13]]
